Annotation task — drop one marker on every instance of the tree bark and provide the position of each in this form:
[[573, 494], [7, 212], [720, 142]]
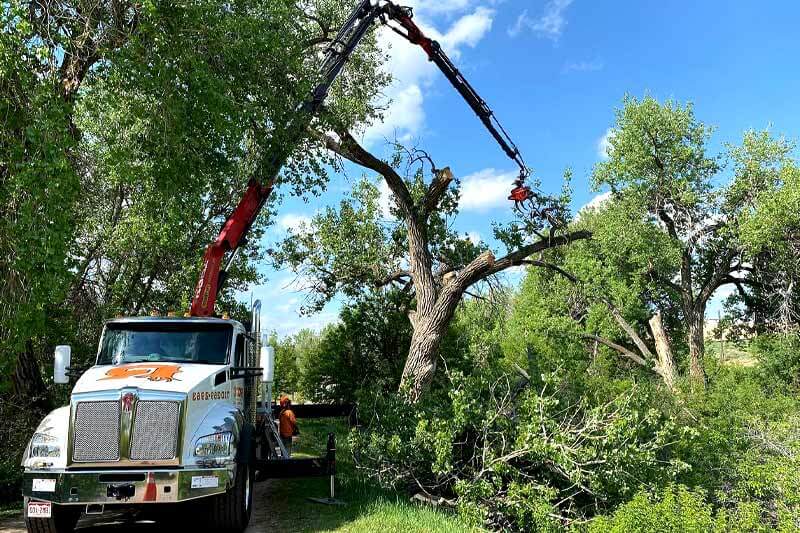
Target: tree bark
[[666, 362], [429, 329], [28, 382], [696, 341], [420, 366]]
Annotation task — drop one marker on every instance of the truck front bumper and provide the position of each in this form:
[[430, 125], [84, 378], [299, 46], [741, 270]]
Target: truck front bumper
[[124, 486]]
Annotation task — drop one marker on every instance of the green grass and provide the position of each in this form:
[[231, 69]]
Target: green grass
[[282, 505], [385, 516], [367, 508], [730, 353]]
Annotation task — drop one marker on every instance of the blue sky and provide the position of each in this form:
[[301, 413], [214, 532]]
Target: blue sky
[[553, 72]]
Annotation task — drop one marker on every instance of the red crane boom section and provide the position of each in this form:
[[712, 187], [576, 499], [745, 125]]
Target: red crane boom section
[[229, 239]]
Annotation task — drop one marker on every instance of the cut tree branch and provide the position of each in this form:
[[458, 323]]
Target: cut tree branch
[[630, 354], [437, 189]]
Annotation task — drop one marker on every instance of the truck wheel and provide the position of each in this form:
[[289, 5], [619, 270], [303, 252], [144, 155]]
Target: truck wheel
[[63, 520], [230, 512]]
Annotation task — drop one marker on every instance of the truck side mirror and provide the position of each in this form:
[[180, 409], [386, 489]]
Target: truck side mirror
[[267, 363], [61, 363]]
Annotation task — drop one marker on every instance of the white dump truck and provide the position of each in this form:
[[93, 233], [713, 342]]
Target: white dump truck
[[167, 414]]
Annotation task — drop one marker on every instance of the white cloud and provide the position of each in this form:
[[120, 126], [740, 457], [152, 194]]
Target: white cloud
[[583, 66], [468, 30], [474, 237], [411, 71], [550, 24], [443, 7], [596, 202], [404, 117], [385, 201], [290, 305], [285, 324], [485, 190], [293, 222], [604, 144]]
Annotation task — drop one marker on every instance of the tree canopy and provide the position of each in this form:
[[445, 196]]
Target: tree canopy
[[130, 131]]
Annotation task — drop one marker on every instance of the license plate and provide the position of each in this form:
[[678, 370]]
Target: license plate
[[44, 485], [40, 509], [204, 482]]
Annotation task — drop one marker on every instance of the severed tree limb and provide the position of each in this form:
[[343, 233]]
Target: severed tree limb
[[625, 352], [627, 328], [436, 190], [666, 362]]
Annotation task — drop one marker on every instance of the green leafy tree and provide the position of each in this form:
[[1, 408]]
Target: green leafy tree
[[363, 353], [178, 122], [659, 167], [353, 249], [46, 51], [592, 297], [771, 234], [289, 352], [131, 130]]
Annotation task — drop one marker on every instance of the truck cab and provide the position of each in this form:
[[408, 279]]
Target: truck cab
[[165, 415]]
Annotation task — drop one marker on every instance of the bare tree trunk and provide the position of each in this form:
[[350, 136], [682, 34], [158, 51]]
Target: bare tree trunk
[[696, 343], [429, 330], [666, 363], [420, 364], [27, 379]]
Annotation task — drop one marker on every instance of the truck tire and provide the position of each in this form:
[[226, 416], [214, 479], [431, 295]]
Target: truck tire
[[63, 520], [230, 512]]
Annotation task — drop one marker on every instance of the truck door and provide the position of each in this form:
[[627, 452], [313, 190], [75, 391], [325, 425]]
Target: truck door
[[239, 361]]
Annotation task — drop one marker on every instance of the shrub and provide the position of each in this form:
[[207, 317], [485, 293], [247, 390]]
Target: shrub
[[675, 509], [513, 456], [779, 360], [19, 423], [680, 509]]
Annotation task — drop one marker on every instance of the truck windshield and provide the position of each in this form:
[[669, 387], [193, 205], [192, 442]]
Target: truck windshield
[[188, 343]]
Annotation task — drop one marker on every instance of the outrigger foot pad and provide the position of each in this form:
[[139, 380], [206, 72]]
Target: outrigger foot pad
[[327, 501]]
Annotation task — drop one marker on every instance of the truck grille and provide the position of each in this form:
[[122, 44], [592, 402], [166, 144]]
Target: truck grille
[[96, 431], [155, 431]]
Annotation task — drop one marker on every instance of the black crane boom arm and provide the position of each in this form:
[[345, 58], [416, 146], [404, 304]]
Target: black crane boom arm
[[410, 31]]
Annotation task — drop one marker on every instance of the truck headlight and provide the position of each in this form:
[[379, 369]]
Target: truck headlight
[[44, 445], [214, 445]]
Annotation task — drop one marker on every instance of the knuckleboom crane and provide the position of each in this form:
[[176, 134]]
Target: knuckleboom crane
[[358, 24]]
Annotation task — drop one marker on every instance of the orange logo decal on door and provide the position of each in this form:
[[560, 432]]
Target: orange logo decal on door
[[150, 371]]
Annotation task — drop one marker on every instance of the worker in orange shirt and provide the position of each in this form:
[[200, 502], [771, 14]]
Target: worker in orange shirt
[[287, 424]]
